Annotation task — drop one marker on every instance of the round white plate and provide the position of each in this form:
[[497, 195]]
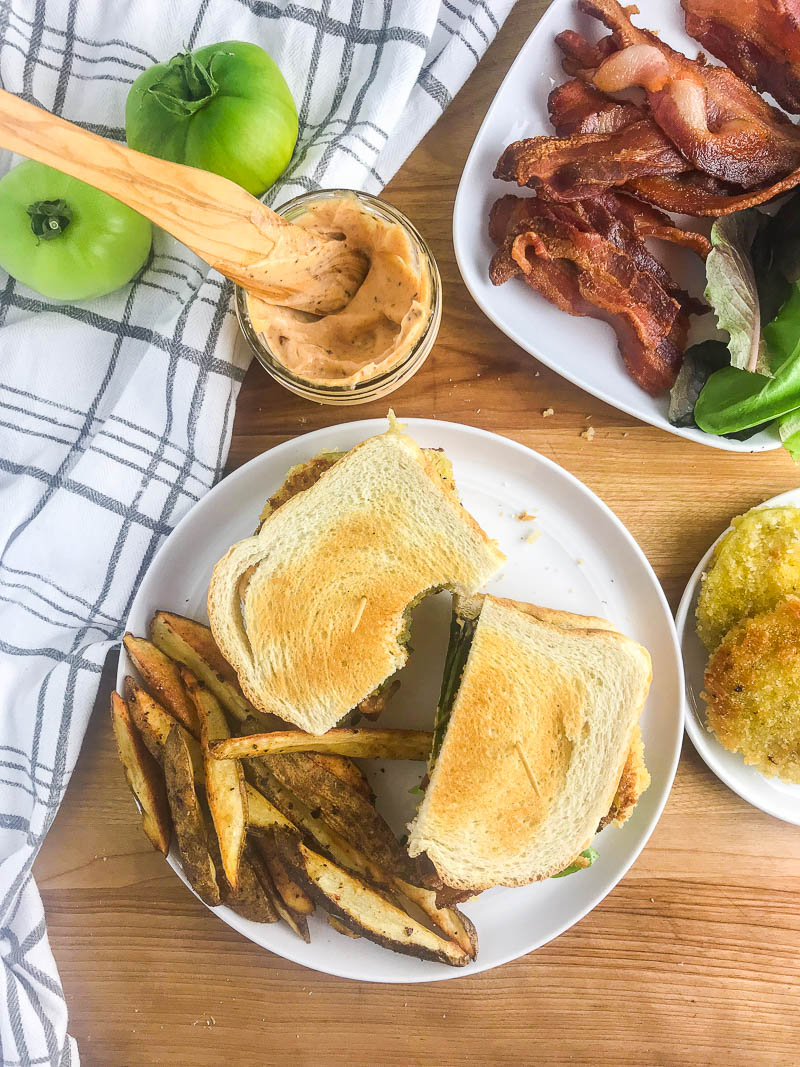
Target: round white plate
[[771, 795], [584, 561], [582, 350]]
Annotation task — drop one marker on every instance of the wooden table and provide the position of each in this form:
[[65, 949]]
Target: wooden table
[[693, 959]]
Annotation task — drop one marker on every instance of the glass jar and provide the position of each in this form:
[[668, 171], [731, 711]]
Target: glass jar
[[385, 381]]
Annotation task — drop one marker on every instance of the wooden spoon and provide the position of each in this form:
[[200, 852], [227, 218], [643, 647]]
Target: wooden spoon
[[226, 226]]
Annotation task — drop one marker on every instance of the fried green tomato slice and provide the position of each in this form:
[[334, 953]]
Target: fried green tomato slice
[[752, 689], [755, 565]]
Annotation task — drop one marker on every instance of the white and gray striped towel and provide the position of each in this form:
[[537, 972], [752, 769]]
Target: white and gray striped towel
[[115, 415]]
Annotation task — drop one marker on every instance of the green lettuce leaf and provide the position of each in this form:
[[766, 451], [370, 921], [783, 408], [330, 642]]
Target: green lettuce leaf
[[588, 854], [733, 400], [732, 291], [699, 362], [789, 430]]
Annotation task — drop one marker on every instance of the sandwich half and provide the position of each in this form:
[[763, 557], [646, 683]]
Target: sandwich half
[[536, 743], [312, 611]]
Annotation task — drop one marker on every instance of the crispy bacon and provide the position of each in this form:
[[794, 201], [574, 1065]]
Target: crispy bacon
[[619, 219], [646, 221], [571, 168], [716, 121], [580, 54], [758, 39], [576, 107], [694, 198], [560, 252]]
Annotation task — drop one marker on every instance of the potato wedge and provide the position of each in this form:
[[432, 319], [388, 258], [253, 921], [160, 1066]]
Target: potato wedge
[[261, 814], [367, 744], [155, 722], [188, 819], [192, 644], [143, 774], [341, 766], [346, 769], [162, 677], [362, 908], [250, 900], [225, 791], [294, 896], [298, 923], [453, 923], [342, 808], [340, 928]]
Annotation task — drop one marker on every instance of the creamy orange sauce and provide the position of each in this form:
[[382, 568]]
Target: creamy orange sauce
[[382, 322]]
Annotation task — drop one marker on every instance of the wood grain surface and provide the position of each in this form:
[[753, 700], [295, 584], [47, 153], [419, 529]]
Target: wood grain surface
[[693, 959]]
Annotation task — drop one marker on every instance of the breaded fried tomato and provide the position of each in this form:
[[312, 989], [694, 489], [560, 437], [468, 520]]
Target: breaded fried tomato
[[752, 689], [755, 565]]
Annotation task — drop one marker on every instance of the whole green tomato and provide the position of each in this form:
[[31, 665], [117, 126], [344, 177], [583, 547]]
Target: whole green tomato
[[224, 108], [65, 239]]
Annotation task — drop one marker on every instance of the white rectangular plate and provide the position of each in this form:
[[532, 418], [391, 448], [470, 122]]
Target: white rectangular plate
[[582, 350]]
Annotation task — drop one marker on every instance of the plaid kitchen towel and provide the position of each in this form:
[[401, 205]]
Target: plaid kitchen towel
[[115, 414]]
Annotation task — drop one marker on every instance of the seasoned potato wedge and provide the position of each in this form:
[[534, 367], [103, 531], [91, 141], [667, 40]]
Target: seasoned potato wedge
[[294, 896], [298, 922], [162, 677], [225, 791], [250, 900], [187, 816], [362, 908], [261, 814], [143, 774], [453, 923], [367, 744], [340, 928], [155, 722], [343, 809], [346, 769], [192, 644]]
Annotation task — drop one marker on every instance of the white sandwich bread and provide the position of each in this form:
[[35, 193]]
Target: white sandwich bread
[[312, 611], [536, 744]]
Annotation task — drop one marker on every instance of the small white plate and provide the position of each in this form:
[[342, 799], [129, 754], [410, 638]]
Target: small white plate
[[771, 795], [585, 561], [582, 350]]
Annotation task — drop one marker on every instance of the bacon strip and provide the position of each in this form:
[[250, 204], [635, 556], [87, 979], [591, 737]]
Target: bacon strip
[[758, 39], [560, 254], [716, 121], [576, 107], [646, 221], [580, 54], [692, 198], [571, 168]]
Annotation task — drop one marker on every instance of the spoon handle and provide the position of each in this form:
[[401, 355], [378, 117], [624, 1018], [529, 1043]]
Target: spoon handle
[[226, 226]]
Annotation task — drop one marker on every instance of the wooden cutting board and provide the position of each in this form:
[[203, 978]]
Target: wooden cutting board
[[693, 959]]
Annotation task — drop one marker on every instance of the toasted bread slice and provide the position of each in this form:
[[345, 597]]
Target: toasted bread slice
[[540, 729], [311, 611]]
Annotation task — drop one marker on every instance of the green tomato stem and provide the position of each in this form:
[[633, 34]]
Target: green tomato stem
[[185, 87], [49, 218]]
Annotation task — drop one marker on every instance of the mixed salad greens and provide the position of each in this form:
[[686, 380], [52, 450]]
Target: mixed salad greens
[[752, 381]]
